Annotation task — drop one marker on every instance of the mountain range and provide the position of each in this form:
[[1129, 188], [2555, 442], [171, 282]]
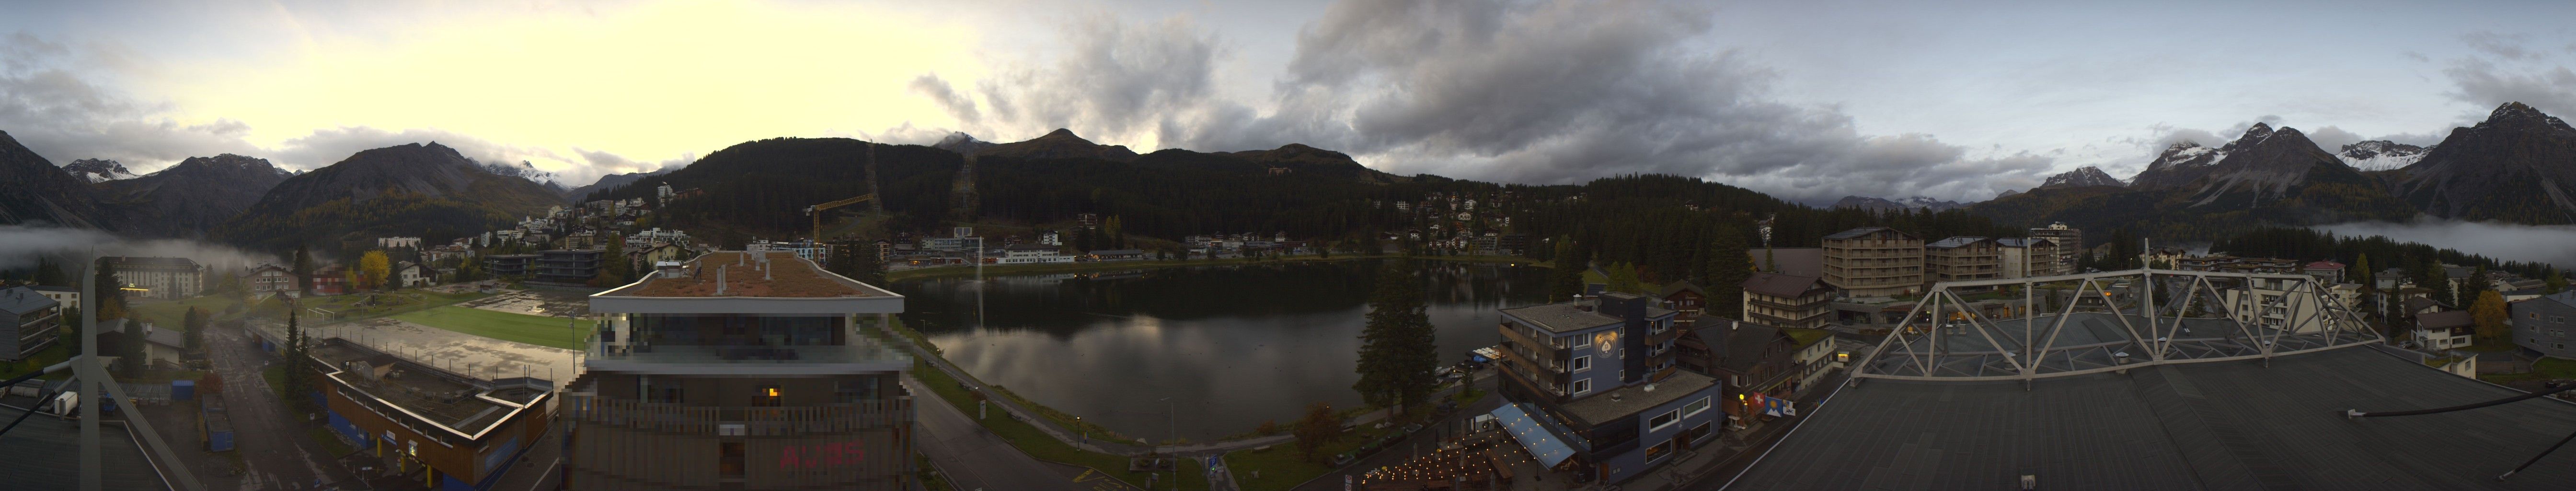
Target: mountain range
[[1884, 204], [2519, 166]]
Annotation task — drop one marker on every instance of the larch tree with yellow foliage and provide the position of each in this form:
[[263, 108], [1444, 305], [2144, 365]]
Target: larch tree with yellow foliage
[[375, 267], [2489, 314]]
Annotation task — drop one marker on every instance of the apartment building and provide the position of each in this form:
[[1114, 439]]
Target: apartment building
[[1874, 262], [166, 278], [1788, 300], [2030, 257], [569, 266], [741, 370], [2069, 240], [1962, 259], [1592, 387], [29, 322]]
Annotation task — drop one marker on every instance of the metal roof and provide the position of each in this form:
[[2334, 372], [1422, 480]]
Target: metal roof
[[2024, 242], [1846, 234], [22, 300], [2225, 425], [1561, 317], [1523, 423], [1954, 242]]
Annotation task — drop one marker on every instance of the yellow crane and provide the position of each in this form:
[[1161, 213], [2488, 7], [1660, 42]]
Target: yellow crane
[[816, 211]]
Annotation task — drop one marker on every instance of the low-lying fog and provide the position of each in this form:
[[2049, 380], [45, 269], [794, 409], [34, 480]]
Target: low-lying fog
[[2553, 244], [21, 245]]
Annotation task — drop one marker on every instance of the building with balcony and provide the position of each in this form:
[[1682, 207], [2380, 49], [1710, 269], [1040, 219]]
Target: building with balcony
[[67, 297], [460, 431], [569, 266], [1593, 391], [1963, 259], [1788, 300], [741, 370], [2030, 257], [166, 278], [29, 322], [2445, 330], [509, 265], [2069, 240], [1874, 262], [1032, 254]]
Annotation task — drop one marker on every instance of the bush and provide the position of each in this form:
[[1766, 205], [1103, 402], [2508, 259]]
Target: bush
[[1270, 427]]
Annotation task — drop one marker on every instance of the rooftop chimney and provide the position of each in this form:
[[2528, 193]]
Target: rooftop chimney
[[720, 280]]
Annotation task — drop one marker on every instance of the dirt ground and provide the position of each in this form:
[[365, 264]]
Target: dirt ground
[[542, 303]]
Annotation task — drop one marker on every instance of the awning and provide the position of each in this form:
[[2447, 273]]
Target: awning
[[1533, 435]]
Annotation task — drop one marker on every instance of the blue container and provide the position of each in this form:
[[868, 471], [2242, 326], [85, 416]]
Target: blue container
[[219, 441], [181, 390]]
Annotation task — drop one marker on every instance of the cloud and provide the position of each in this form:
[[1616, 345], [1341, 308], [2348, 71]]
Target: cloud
[[2332, 139], [2502, 70], [65, 117], [609, 163], [1533, 92], [2529, 243]]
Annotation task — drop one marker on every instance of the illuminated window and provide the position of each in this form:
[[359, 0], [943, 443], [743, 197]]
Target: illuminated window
[[768, 397]]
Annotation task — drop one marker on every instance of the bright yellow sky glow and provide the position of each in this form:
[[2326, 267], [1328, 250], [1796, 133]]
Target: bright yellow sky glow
[[647, 83]]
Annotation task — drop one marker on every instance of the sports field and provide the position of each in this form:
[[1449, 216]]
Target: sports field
[[521, 328]]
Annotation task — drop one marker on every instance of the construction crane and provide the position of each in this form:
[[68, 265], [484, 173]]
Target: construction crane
[[816, 211]]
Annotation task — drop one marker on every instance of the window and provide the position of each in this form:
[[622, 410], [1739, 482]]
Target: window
[[1582, 341], [1659, 451], [768, 397], [1665, 420], [1583, 386], [1582, 363], [1695, 407]]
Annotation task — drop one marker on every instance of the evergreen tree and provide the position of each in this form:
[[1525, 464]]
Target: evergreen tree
[[2361, 272], [1728, 266], [109, 295], [1566, 279], [130, 346], [195, 323], [70, 333], [303, 270], [50, 274], [620, 270], [1398, 352], [294, 385]]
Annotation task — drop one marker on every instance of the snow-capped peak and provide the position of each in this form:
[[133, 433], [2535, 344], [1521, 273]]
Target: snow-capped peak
[[2375, 155], [98, 170], [2083, 176]]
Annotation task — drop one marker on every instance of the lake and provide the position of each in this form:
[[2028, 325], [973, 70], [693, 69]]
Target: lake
[[1233, 346]]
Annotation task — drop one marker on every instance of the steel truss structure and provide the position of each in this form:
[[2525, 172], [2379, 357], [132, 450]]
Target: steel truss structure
[[2159, 316]]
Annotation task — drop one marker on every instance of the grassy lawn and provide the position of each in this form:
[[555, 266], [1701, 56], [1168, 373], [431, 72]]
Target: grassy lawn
[[276, 377], [1037, 444], [1283, 467], [43, 358], [2555, 368], [167, 314], [505, 326]]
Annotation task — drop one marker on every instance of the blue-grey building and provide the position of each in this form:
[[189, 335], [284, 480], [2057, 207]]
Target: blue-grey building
[[2542, 324], [29, 322], [1594, 390]]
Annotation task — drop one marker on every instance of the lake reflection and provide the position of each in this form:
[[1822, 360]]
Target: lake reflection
[[1233, 345]]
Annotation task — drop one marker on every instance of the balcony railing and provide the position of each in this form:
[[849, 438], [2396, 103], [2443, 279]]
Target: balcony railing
[[756, 421], [859, 351]]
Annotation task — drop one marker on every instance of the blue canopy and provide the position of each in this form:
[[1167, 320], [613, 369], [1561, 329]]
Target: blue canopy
[[1533, 435]]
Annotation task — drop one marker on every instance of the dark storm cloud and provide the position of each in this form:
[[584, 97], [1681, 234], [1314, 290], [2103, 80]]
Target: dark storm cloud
[[64, 117], [2504, 70], [1536, 92]]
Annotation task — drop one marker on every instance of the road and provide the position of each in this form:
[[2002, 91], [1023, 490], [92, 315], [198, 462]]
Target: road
[[978, 459], [273, 441]]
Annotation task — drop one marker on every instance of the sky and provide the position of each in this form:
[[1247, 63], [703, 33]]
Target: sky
[[1808, 101]]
